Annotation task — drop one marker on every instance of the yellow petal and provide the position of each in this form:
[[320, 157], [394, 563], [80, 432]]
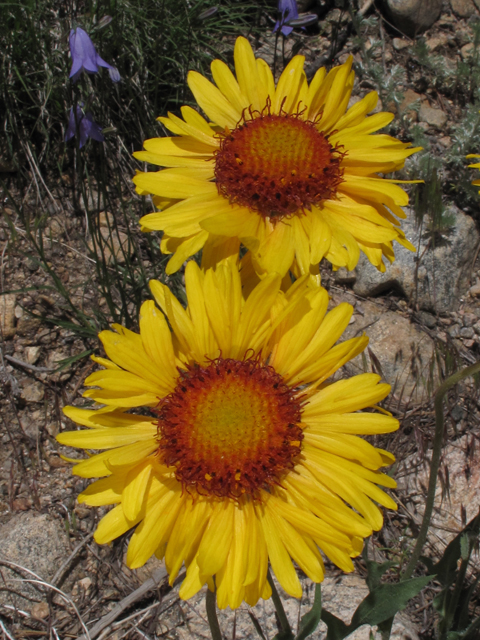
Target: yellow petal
[[212, 101]]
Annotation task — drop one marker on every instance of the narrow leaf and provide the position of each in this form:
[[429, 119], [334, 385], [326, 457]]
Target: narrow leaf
[[375, 572], [384, 601], [310, 620], [337, 629], [446, 567], [256, 624]]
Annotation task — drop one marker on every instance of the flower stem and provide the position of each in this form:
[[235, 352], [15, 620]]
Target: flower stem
[[211, 605], [282, 616], [454, 379]]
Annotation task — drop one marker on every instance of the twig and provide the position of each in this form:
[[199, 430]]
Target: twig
[[25, 365], [152, 583], [365, 7], [38, 580], [57, 578], [5, 631]]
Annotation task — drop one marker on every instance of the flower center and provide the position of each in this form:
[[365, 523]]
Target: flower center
[[277, 165], [230, 428]]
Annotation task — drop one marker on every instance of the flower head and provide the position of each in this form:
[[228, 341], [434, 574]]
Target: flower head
[[83, 123], [286, 170], [85, 56], [246, 453], [476, 165], [287, 10]]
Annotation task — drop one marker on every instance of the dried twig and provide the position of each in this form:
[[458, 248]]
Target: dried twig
[[152, 583], [58, 577], [366, 6], [5, 631], [39, 581], [26, 365]]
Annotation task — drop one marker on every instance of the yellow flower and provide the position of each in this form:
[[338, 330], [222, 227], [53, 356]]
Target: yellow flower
[[474, 166], [246, 454], [286, 170]]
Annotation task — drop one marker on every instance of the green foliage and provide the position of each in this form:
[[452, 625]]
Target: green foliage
[[310, 620], [153, 44], [454, 602], [381, 604], [384, 81]]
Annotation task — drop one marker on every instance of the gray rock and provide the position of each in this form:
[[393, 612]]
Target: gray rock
[[427, 319], [340, 595], [343, 276], [434, 117], [443, 272], [467, 332], [462, 460], [36, 542], [475, 290], [412, 17], [403, 350], [463, 8], [454, 331]]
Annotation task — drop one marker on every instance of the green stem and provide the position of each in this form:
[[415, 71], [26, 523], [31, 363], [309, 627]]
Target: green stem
[[454, 379], [212, 615], [282, 616]]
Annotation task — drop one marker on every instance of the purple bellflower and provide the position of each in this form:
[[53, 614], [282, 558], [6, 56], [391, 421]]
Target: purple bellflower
[[288, 10], [84, 122], [85, 56]]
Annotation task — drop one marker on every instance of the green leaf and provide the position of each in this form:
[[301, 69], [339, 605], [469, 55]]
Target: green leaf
[[256, 624], [310, 620], [337, 629], [66, 362], [375, 572], [446, 567], [465, 546], [384, 601], [284, 635]]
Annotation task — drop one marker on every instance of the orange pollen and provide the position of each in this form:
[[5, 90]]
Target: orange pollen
[[230, 428], [277, 165]]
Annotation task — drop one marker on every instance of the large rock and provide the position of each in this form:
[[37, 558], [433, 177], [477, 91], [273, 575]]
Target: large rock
[[405, 352], [443, 272], [340, 595], [412, 17], [36, 542], [463, 8], [461, 460]]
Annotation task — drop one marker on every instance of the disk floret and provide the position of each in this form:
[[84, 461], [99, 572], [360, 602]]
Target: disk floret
[[230, 428], [277, 164]]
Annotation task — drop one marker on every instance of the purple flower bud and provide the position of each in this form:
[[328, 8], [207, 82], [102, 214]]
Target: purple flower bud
[[84, 124], [303, 21], [208, 13], [288, 10], [104, 22], [85, 56]]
